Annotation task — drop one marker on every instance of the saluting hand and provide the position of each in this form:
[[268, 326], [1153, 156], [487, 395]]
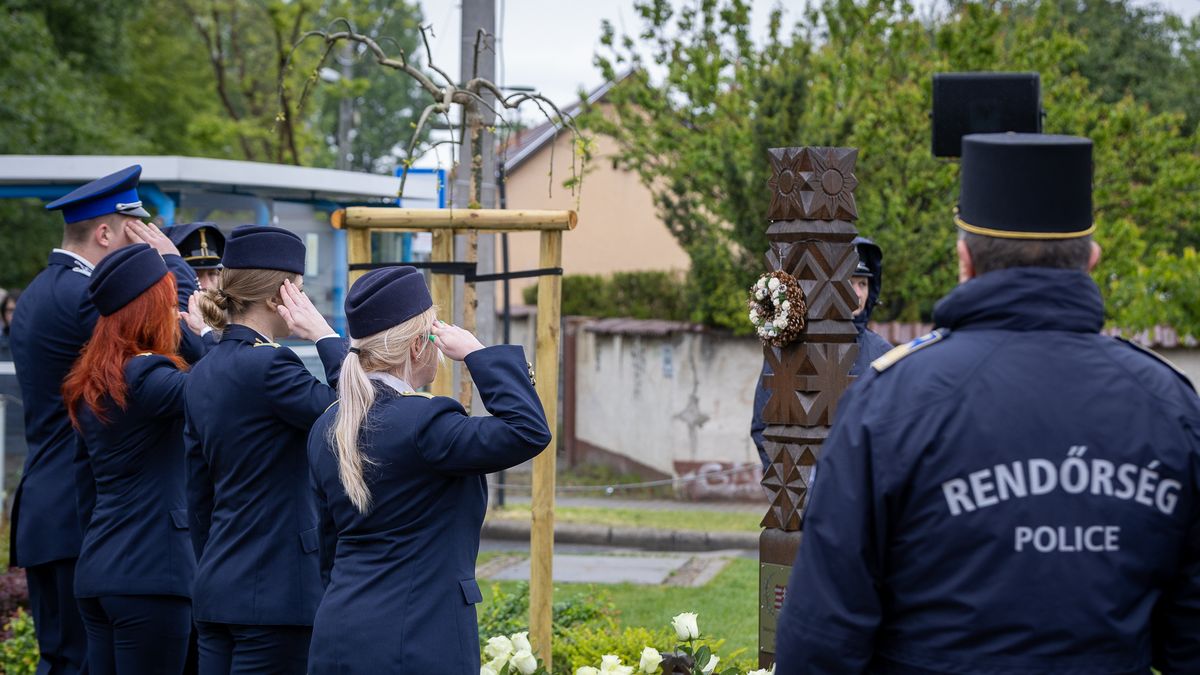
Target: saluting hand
[[150, 234], [193, 317], [455, 342], [303, 319]]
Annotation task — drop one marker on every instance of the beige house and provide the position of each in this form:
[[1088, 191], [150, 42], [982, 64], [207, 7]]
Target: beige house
[[618, 228]]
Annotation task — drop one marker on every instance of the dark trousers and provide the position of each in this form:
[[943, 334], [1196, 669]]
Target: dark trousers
[[137, 634], [236, 649], [62, 639]]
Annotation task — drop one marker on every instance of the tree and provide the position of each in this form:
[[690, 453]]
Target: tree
[[857, 73]]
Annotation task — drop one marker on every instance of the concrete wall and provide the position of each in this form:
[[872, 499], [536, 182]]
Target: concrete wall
[[667, 399]]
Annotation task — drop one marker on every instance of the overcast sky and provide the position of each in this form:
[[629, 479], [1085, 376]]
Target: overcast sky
[[549, 44]]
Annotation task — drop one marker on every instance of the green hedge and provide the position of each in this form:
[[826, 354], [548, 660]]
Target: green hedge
[[636, 295]]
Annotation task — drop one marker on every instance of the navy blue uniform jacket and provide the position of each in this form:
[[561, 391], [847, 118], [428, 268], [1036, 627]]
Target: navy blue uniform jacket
[[249, 405], [131, 489], [53, 318], [401, 588], [1019, 496]]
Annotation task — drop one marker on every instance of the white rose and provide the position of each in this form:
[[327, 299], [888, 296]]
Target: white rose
[[499, 647], [650, 660], [781, 322], [712, 665], [521, 642], [754, 318], [685, 624], [524, 661], [586, 670], [761, 294], [773, 283], [786, 306], [610, 664], [762, 282], [762, 671], [497, 664], [486, 669]]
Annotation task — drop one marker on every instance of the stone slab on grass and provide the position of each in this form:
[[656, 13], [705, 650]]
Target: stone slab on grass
[[600, 569]]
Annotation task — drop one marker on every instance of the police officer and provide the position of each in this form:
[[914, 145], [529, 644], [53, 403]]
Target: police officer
[[200, 244], [52, 320], [249, 405], [125, 397], [400, 484], [1014, 493], [867, 281]]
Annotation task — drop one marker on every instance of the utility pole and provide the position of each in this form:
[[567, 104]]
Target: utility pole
[[478, 15]]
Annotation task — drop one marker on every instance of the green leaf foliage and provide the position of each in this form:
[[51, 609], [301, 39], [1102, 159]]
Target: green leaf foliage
[[696, 126], [638, 295]]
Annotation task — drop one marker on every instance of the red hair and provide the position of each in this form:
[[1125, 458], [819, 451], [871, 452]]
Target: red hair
[[150, 323]]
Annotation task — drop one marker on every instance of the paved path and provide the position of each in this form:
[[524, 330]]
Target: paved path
[[601, 565], [649, 504]]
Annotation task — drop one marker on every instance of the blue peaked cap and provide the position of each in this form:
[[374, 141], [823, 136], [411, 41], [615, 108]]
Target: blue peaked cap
[[264, 247], [114, 193]]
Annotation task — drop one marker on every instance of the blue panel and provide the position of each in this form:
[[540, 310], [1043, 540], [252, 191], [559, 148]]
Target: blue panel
[[341, 274], [164, 205]]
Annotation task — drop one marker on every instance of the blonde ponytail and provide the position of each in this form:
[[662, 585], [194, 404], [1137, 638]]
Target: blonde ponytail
[[388, 351]]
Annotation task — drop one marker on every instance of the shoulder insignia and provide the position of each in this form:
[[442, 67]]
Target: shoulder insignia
[[146, 354], [1162, 359], [260, 343], [417, 393], [893, 357], [80, 269]]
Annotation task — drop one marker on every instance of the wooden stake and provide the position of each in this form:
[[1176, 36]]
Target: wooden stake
[[441, 287], [430, 220], [358, 250], [470, 303], [541, 586]]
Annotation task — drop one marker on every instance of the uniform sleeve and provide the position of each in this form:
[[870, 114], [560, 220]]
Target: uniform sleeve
[[332, 351], [293, 393], [160, 388], [456, 444], [186, 282], [1176, 622], [757, 425], [199, 491], [85, 484], [832, 608]]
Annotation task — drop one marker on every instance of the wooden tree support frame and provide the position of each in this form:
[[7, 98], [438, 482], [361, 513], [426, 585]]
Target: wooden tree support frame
[[444, 224]]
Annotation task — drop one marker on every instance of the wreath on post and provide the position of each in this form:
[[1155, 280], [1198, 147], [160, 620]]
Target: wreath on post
[[777, 308]]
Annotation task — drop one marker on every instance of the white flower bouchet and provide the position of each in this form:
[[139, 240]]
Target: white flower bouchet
[[762, 671], [524, 661], [499, 647], [486, 669], [712, 665], [521, 641], [685, 626], [586, 670], [650, 660]]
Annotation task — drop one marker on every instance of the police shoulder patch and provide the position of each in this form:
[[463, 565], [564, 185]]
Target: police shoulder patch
[[417, 393], [1162, 359], [893, 357]]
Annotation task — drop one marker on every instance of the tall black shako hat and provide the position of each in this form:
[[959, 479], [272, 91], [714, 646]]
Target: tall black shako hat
[[199, 243], [384, 298], [261, 247], [1026, 186], [123, 275], [114, 193]]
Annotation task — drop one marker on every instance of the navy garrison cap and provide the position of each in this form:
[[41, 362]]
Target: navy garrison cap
[[115, 193], [199, 243], [123, 275], [1026, 186], [262, 247], [384, 298]]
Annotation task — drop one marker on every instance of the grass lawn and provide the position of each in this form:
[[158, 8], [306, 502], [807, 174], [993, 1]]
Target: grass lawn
[[702, 520], [727, 606]]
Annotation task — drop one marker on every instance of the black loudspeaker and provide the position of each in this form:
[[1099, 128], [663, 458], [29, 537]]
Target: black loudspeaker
[[981, 103]]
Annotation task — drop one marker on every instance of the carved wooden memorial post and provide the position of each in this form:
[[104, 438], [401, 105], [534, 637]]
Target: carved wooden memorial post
[[811, 233]]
